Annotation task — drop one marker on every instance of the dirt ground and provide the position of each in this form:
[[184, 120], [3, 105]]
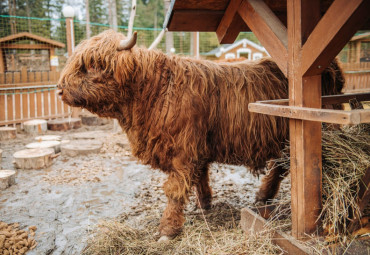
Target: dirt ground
[[66, 200]]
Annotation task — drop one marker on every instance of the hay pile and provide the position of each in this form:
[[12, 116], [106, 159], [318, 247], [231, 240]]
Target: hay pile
[[214, 232], [345, 158]]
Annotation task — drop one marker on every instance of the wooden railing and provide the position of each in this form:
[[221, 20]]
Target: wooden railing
[[29, 95]]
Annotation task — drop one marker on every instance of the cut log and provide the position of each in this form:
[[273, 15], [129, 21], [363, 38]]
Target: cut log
[[7, 133], [64, 124], [81, 147], [45, 144], [7, 178], [93, 120], [34, 158], [35, 126], [48, 138], [88, 135]]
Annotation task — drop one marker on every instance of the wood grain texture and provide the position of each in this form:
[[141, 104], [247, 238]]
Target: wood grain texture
[[268, 29]]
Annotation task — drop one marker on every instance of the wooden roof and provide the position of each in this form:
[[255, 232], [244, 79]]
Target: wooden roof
[[25, 35], [206, 15]]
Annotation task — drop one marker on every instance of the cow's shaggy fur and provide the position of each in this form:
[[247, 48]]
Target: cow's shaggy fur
[[181, 114]]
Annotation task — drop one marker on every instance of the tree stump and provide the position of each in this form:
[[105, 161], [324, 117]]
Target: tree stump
[[88, 135], [34, 127], [7, 178], [64, 124], [48, 138], [93, 120], [7, 133], [45, 144], [34, 158], [81, 147]]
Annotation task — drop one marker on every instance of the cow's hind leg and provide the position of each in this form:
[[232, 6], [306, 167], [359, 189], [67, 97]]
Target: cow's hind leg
[[270, 183], [177, 189], [203, 190]]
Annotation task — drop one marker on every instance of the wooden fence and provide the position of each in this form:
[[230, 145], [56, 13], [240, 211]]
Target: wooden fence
[[357, 77], [29, 95]]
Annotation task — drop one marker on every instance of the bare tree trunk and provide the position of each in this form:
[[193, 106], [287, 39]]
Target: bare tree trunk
[[88, 31], [113, 14], [132, 18], [169, 35], [12, 12]]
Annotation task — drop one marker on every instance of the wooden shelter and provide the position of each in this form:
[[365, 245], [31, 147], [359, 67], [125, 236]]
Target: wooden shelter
[[41, 43], [303, 37]]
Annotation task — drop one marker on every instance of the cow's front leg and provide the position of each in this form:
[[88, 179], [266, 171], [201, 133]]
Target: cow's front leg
[[176, 189]]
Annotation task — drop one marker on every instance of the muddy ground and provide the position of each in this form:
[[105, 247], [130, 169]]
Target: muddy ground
[[66, 200]]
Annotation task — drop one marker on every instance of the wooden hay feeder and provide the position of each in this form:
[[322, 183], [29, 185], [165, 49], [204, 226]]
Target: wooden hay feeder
[[7, 178], [34, 158], [7, 133], [302, 37]]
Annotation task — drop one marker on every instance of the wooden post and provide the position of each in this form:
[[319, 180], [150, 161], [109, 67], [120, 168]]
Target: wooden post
[[305, 136], [2, 61]]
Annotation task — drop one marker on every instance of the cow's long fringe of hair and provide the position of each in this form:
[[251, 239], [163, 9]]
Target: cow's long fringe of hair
[[180, 114]]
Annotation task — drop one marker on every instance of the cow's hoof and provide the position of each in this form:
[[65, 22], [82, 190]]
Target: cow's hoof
[[164, 239]]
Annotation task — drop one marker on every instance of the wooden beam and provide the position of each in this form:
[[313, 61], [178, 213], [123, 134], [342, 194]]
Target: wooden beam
[[333, 31], [224, 26], [194, 20], [26, 46], [312, 114], [252, 223], [27, 35], [268, 29], [326, 100], [305, 135]]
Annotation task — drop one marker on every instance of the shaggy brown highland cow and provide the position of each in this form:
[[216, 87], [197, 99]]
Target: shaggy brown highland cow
[[181, 114]]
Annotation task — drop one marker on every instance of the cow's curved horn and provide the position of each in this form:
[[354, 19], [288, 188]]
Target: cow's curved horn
[[128, 43]]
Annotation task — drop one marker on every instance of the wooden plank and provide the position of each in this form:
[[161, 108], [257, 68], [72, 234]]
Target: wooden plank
[[216, 5], [237, 26], [39, 104], [17, 105], [2, 61], [9, 78], [305, 136], [194, 20], [10, 107], [44, 77], [311, 114], [25, 46], [2, 78], [24, 75], [2, 107], [326, 100], [252, 223], [268, 29], [333, 31], [32, 103], [224, 26]]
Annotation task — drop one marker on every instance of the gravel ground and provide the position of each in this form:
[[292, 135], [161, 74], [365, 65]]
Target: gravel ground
[[67, 199]]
